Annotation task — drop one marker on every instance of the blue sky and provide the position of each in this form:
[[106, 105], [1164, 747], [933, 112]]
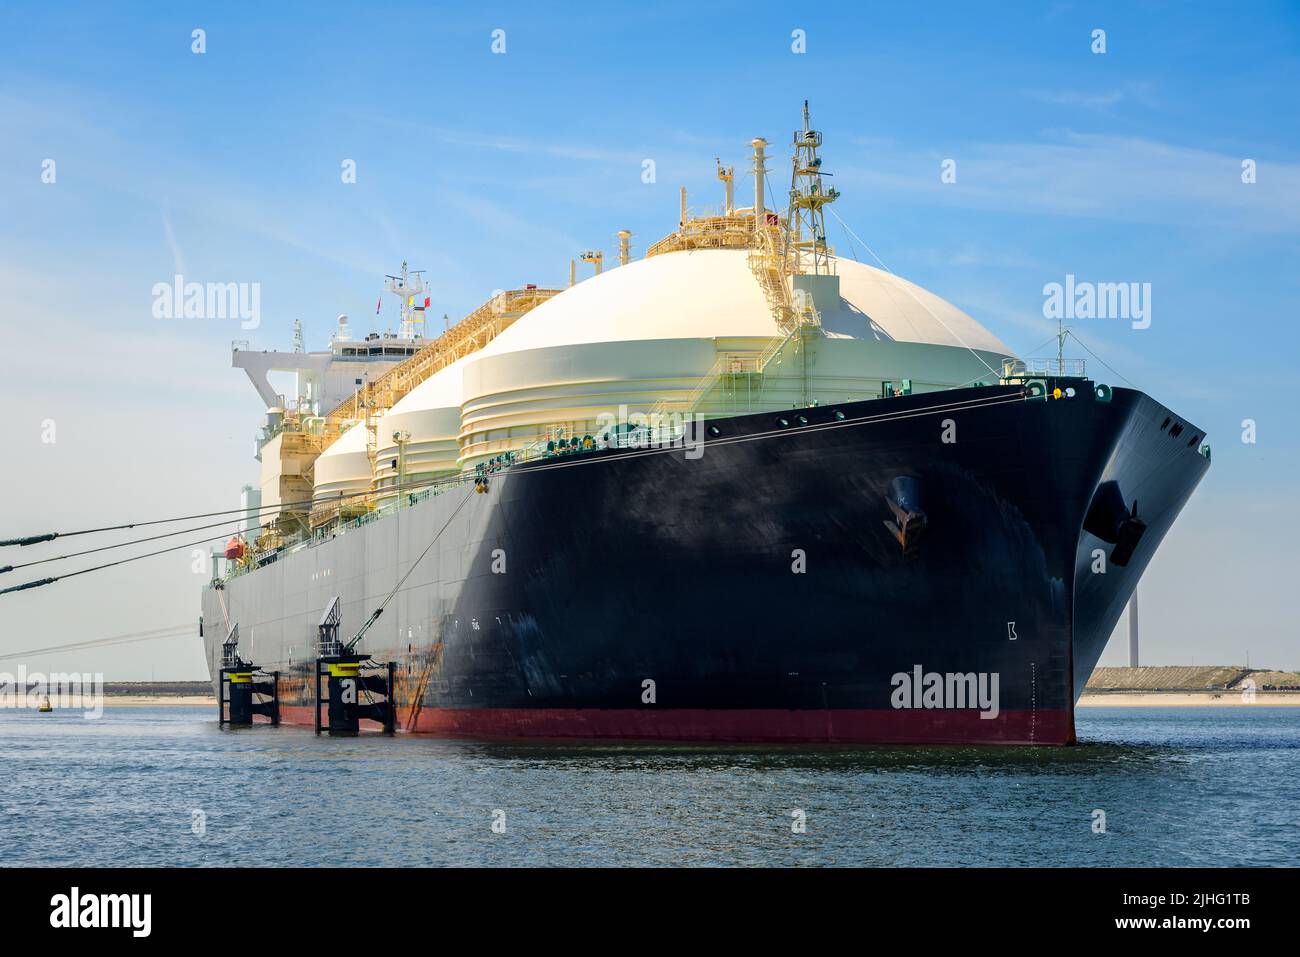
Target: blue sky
[[493, 170]]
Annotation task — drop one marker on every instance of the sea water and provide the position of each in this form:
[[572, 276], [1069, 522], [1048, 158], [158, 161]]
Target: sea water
[[165, 786]]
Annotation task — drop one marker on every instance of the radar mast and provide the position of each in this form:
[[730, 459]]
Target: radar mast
[[805, 222], [406, 287]]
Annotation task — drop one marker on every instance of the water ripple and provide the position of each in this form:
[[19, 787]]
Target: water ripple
[[1178, 786]]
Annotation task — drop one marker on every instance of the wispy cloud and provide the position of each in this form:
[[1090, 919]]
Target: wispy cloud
[[1137, 93], [479, 140], [178, 257], [969, 254], [149, 174], [1097, 176]]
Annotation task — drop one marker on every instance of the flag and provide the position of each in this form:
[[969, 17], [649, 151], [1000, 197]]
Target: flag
[[378, 302], [410, 300], [426, 302]]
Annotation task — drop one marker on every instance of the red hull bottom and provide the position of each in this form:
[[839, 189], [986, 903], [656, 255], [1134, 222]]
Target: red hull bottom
[[764, 726]]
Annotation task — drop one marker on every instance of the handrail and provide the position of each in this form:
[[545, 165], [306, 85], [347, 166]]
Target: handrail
[[470, 334], [706, 232], [337, 526], [1044, 366], [770, 267]]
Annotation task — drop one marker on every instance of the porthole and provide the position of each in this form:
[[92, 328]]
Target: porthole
[[784, 423], [839, 416], [714, 430], [803, 420]]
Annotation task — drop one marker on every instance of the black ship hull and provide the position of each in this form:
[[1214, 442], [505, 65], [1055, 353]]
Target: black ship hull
[[938, 568]]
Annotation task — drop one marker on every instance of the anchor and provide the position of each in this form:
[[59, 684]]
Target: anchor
[[910, 520]]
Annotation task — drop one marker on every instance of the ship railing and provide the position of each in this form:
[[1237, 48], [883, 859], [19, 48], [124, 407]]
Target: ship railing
[[706, 229], [725, 364], [661, 429], [394, 499], [649, 436], [328, 643], [230, 648], [319, 534], [1043, 366], [471, 333]]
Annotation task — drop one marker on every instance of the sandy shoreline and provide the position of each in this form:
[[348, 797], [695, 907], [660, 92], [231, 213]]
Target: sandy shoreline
[[140, 701], [159, 701]]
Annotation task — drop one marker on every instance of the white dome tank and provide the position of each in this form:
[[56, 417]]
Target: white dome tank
[[343, 468], [430, 416], [653, 329]]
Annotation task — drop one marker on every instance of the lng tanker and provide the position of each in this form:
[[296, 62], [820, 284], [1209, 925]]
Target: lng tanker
[[740, 489]]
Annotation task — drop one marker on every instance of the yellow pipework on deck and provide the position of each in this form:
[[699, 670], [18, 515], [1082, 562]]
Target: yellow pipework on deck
[[469, 335]]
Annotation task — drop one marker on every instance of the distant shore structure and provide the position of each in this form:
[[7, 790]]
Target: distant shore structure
[[1190, 678]]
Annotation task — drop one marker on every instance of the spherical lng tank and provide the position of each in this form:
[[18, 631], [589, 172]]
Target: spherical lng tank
[[421, 432], [343, 468], [652, 330]]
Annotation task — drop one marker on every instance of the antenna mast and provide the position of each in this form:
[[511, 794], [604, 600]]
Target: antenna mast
[[805, 222], [407, 286], [1061, 333]]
